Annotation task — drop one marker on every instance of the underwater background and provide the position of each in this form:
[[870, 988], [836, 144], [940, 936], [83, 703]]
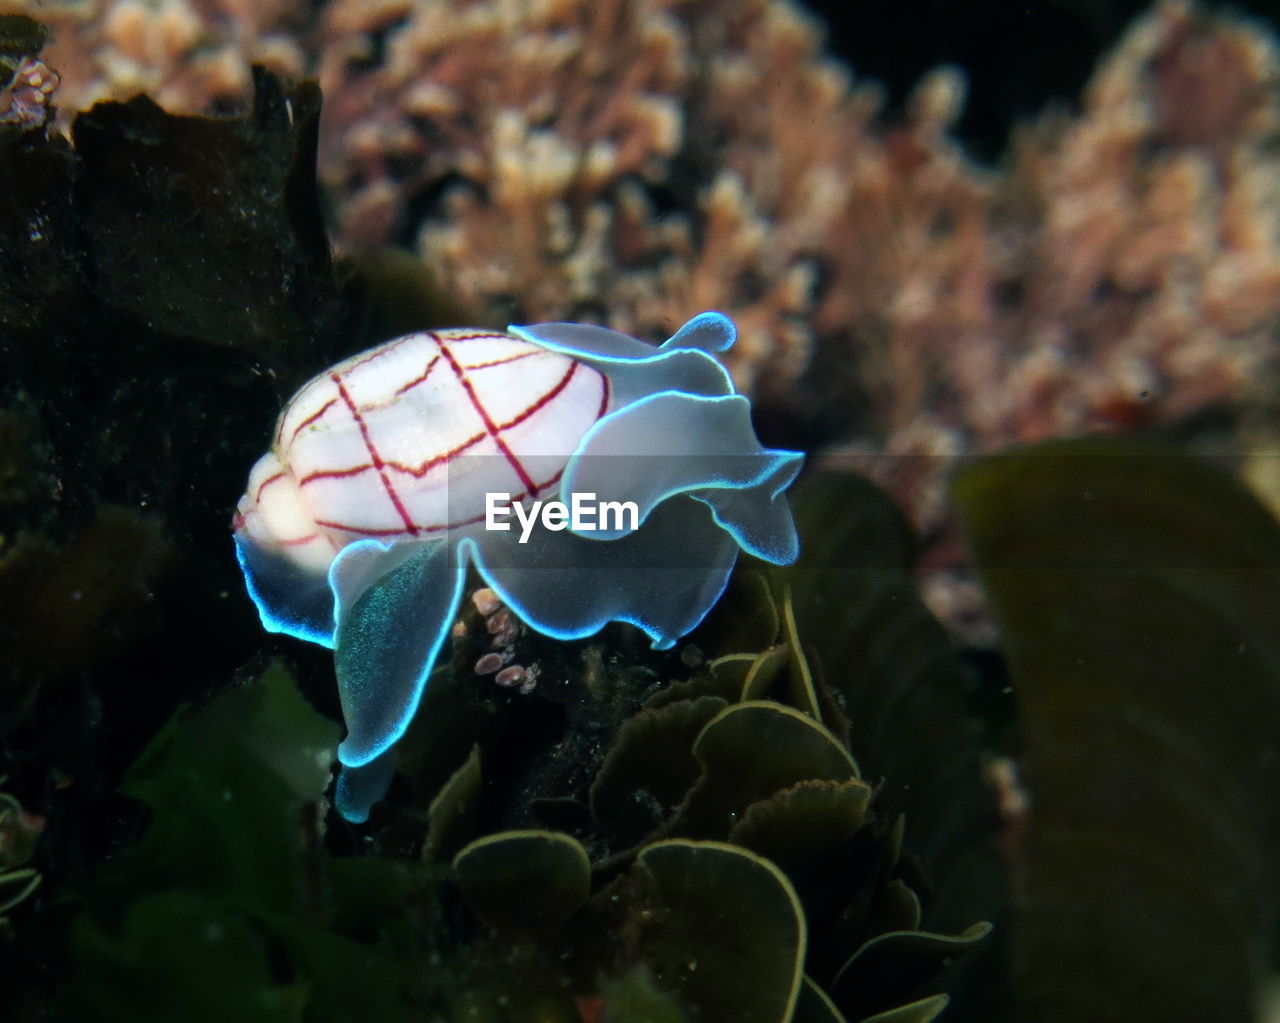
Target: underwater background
[[1004, 743]]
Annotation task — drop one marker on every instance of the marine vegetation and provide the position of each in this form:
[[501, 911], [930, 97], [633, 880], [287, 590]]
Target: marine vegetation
[[809, 805]]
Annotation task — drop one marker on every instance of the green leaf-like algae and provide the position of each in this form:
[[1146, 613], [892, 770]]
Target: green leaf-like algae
[[900, 683], [225, 785], [181, 918], [526, 881], [1139, 592], [721, 925]]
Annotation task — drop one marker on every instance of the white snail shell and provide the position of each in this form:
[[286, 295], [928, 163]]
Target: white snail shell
[[406, 439]]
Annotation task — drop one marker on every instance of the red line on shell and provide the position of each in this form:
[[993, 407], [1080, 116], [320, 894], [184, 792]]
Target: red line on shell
[[498, 335], [370, 531], [541, 487], [542, 402], [409, 470], [494, 430], [377, 353], [373, 455], [420, 379], [435, 527], [335, 474], [604, 396], [312, 418], [361, 530], [431, 463], [257, 496], [502, 362], [298, 541]]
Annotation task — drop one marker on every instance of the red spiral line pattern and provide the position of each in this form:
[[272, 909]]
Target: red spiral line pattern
[[444, 356]]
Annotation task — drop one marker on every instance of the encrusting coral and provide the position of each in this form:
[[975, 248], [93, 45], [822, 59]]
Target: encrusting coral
[[190, 56], [1153, 270], [528, 147]]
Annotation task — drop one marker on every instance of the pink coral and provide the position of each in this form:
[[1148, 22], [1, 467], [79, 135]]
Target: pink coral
[[1143, 238], [190, 56], [1126, 270], [628, 160]]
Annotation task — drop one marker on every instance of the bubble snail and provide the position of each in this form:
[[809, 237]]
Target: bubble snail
[[393, 471]]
